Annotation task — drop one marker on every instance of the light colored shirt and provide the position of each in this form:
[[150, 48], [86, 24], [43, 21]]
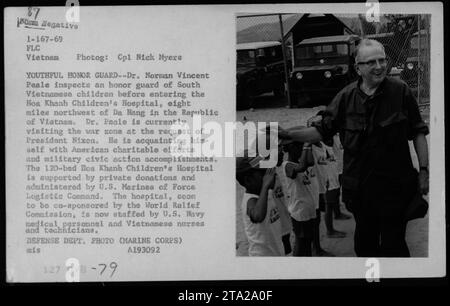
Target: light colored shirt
[[301, 194], [320, 166], [338, 152], [332, 169], [264, 238], [279, 198]]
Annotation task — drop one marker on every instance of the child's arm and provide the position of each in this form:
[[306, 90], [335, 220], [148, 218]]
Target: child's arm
[[306, 160], [257, 208], [307, 152], [320, 157]]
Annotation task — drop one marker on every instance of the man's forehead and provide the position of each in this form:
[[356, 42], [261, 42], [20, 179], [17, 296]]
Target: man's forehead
[[369, 51]]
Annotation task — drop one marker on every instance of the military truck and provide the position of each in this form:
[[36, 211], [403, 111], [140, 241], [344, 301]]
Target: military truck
[[260, 69], [322, 67], [415, 63]]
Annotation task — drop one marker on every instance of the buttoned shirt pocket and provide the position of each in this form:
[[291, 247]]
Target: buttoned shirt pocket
[[354, 128], [395, 158], [395, 128]]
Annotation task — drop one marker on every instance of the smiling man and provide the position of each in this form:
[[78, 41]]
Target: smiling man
[[375, 117]]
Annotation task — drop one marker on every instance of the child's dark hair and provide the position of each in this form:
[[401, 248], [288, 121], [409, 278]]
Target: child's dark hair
[[329, 141], [240, 177], [320, 113], [293, 145]]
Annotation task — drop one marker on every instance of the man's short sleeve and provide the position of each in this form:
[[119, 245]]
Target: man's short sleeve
[[416, 124], [331, 117]]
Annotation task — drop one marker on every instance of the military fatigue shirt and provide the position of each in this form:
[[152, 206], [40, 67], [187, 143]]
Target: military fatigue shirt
[[374, 130]]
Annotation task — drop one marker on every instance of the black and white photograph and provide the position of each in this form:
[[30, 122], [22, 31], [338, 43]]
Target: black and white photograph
[[352, 101]]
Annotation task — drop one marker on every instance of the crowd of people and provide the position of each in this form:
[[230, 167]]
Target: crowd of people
[[293, 196]]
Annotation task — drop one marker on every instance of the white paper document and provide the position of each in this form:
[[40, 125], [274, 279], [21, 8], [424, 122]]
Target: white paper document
[[120, 134]]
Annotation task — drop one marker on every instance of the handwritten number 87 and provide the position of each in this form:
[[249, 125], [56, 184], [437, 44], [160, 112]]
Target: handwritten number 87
[[30, 13]]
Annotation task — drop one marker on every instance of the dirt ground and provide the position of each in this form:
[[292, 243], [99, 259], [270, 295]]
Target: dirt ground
[[270, 110]]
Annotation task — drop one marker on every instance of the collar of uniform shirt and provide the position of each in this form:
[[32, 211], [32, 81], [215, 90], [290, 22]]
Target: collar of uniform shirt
[[378, 92]]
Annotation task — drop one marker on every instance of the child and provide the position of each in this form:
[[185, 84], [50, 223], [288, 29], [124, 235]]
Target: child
[[328, 186], [318, 251], [260, 213], [279, 198], [320, 155], [334, 158], [339, 154], [299, 196]]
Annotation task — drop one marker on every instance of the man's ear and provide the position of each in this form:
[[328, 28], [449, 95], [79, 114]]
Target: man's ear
[[247, 180], [357, 69]]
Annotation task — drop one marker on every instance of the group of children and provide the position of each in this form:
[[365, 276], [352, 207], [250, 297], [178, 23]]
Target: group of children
[[290, 198]]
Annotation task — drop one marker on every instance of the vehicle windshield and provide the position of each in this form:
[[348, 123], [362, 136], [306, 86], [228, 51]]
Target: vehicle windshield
[[415, 43], [246, 57], [320, 51]]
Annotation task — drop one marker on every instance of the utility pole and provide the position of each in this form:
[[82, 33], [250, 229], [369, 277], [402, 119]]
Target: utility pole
[[286, 75], [419, 60]]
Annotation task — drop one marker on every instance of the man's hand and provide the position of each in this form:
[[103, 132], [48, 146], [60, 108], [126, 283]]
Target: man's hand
[[421, 147], [313, 119], [269, 178], [423, 182]]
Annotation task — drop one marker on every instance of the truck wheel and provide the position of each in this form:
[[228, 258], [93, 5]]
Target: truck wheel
[[245, 101], [249, 96], [304, 100], [294, 99], [279, 92], [241, 103]]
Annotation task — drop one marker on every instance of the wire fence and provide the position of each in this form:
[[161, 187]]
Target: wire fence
[[406, 39]]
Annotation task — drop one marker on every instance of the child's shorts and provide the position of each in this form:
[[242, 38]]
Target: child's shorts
[[322, 202], [303, 229], [333, 196]]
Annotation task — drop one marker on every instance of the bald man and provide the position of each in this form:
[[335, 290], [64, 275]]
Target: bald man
[[375, 117]]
